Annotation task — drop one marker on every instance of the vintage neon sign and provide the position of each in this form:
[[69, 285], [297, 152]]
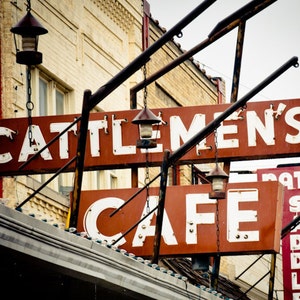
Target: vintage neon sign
[[253, 133], [249, 219], [291, 248], [290, 178]]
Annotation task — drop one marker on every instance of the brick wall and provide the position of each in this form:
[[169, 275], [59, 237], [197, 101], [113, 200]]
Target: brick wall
[[85, 47]]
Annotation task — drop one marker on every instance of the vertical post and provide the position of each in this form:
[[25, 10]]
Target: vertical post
[[146, 17], [74, 205], [233, 99], [175, 175], [238, 62], [161, 205], [215, 272], [133, 101], [272, 276], [134, 170]]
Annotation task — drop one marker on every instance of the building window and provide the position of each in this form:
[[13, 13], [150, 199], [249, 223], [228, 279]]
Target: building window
[[52, 97], [113, 181], [59, 98], [42, 95]]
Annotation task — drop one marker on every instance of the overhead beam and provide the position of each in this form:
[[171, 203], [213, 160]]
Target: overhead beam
[[91, 100]]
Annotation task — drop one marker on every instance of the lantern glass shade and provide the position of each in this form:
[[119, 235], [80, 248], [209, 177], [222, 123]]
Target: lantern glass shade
[[29, 29], [218, 179], [218, 184], [145, 119], [145, 131], [29, 43]]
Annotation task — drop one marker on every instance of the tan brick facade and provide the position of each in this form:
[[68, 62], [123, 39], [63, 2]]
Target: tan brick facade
[[87, 45]]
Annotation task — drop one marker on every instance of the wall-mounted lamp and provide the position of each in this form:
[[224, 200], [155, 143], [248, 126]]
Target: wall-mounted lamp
[[29, 29], [145, 119], [217, 177], [219, 180]]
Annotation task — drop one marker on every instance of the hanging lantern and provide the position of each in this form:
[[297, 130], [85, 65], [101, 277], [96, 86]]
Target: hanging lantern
[[29, 29], [145, 119], [219, 180]]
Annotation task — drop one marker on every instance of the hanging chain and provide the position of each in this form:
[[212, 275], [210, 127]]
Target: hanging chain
[[28, 6], [29, 105], [147, 180], [147, 176], [218, 226], [217, 202], [145, 86], [216, 145]]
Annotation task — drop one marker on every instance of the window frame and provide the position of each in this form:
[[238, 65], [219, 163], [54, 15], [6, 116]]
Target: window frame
[[53, 86]]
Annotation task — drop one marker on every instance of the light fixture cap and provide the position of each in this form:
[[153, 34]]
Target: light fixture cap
[[29, 26], [217, 172], [146, 116]]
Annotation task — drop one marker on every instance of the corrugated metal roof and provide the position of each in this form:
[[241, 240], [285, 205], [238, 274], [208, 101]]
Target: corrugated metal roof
[[183, 266], [33, 244]]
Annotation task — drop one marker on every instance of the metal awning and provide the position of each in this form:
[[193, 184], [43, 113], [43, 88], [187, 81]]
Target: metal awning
[[41, 259]]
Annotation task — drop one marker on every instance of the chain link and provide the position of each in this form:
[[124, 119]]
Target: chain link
[[217, 202], [28, 6], [147, 176], [216, 145], [147, 180], [145, 86], [217, 226], [29, 105]]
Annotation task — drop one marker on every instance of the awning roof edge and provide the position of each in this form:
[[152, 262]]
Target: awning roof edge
[[86, 259]]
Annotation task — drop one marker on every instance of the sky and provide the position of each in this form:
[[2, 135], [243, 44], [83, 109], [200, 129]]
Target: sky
[[271, 38]]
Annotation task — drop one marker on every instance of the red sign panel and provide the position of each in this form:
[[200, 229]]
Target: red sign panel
[[290, 178], [256, 132], [248, 221], [291, 248]]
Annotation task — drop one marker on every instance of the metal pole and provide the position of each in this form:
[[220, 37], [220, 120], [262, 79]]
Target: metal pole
[[161, 206], [74, 205], [169, 160], [233, 99], [222, 28], [134, 195], [237, 62], [272, 276], [215, 272], [136, 224], [49, 143], [46, 183], [177, 154], [111, 85], [288, 228], [251, 287], [253, 263], [246, 12], [136, 64], [197, 138]]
